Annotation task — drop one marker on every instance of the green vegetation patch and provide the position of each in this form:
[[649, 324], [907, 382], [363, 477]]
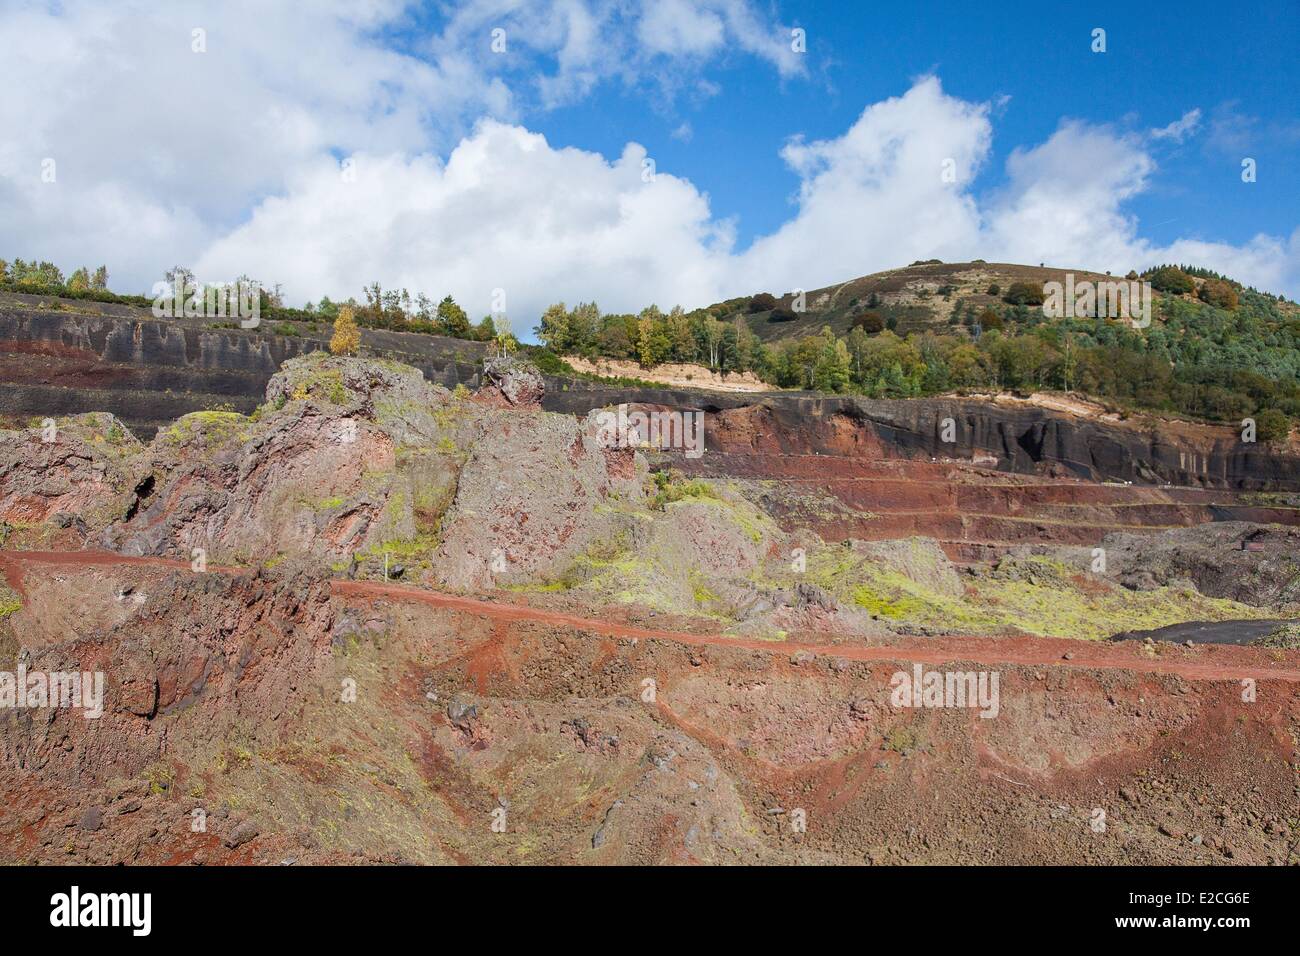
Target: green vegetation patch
[[1285, 636], [325, 384], [1034, 595], [671, 487], [9, 601], [210, 428]]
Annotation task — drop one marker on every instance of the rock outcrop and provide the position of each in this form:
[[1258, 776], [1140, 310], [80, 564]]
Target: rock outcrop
[[150, 371], [630, 666], [515, 380]]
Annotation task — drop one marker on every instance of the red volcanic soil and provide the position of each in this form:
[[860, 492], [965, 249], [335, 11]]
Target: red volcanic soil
[[964, 506], [1213, 662], [469, 704], [1204, 662]]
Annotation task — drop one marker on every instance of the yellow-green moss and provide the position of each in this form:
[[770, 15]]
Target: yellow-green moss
[[311, 379], [898, 608], [671, 487], [1043, 597], [406, 549], [548, 587], [210, 427], [703, 595], [901, 738]]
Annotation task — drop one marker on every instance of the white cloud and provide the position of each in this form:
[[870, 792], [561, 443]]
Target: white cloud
[[562, 49], [510, 211], [1180, 128], [1063, 200], [872, 200], [159, 148], [877, 196], [700, 27], [506, 211], [228, 161], [161, 151], [1064, 205], [679, 26]]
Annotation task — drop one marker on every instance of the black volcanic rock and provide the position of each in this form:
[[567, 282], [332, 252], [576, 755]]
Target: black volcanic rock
[[149, 372]]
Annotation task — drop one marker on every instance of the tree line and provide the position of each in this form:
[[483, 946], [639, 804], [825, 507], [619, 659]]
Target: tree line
[[1219, 351]]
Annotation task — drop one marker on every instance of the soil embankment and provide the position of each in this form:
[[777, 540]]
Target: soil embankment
[[392, 724]]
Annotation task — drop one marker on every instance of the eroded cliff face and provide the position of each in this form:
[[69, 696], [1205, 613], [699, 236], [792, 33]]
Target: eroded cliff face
[[421, 608], [299, 722], [1021, 439], [149, 372]]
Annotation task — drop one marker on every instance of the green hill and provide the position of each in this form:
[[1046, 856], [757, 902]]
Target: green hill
[[914, 298]]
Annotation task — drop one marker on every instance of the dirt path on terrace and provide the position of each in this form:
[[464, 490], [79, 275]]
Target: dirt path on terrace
[[11, 563], [1023, 650], [1210, 663]]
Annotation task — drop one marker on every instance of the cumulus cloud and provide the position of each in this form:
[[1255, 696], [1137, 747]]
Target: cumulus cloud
[[162, 137], [510, 211], [229, 161], [507, 211], [168, 127], [1063, 202], [894, 187]]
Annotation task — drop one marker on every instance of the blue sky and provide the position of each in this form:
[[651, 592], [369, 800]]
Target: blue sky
[[325, 146], [1237, 64]]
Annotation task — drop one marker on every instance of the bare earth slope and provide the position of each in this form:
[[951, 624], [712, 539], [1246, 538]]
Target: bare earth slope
[[381, 621]]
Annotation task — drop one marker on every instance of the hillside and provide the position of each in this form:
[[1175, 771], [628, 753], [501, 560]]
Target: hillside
[[916, 297], [1200, 345]]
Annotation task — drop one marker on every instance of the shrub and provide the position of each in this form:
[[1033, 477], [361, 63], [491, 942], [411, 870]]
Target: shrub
[[1173, 280], [1219, 294], [1024, 293], [547, 362], [995, 289], [763, 302], [670, 487], [1272, 425], [869, 322]]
